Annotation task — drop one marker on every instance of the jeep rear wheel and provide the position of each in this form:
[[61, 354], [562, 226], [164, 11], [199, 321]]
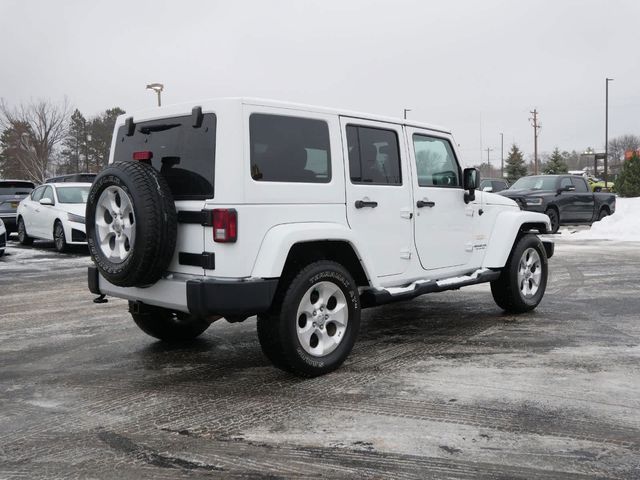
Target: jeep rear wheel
[[314, 322], [131, 224], [167, 325], [523, 280]]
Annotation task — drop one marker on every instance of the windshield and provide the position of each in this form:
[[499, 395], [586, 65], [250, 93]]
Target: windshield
[[15, 188], [535, 183], [73, 194]]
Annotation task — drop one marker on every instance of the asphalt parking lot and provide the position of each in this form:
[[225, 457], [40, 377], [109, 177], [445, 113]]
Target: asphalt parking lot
[[445, 386]]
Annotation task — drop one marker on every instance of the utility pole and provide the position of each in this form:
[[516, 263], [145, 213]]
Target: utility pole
[[606, 132], [488, 161], [501, 155], [536, 128]]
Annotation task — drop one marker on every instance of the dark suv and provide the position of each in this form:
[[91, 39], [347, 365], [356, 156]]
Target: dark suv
[[11, 193]]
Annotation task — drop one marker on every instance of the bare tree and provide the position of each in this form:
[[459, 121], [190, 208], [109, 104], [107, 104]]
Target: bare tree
[[621, 144], [46, 128]]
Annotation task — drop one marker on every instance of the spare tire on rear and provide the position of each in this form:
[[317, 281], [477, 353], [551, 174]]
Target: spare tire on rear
[[131, 224]]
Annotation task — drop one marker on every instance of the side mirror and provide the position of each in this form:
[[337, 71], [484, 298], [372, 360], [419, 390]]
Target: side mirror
[[568, 188], [470, 182], [46, 201]]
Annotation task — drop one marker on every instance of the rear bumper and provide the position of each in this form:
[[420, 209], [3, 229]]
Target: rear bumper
[[199, 296]]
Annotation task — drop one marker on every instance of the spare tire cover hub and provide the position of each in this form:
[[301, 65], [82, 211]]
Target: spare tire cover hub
[[115, 224]]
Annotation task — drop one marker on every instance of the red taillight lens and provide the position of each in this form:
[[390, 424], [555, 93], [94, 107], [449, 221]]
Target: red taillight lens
[[225, 225], [141, 156]]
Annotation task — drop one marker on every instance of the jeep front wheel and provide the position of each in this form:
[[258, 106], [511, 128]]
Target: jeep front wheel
[[523, 280], [314, 321]]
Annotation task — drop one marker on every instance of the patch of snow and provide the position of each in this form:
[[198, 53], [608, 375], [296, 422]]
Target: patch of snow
[[622, 226]]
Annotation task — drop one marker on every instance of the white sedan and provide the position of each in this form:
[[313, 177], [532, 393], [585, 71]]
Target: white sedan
[[54, 211]]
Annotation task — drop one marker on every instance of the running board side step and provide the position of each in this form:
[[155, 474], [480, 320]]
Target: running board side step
[[373, 298]]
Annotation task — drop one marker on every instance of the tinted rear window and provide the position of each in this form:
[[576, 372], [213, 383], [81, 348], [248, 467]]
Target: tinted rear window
[[16, 188], [184, 155]]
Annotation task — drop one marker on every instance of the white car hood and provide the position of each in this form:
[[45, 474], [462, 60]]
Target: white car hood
[[75, 208]]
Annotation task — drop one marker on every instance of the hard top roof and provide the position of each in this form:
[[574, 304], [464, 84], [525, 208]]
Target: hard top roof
[[210, 104]]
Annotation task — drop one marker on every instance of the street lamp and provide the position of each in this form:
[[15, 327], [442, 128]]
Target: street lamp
[[405, 112], [606, 130], [156, 87]]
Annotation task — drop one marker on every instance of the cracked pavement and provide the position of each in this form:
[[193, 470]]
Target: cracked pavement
[[444, 386]]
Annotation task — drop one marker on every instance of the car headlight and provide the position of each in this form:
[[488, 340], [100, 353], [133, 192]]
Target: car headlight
[[72, 217], [533, 201]]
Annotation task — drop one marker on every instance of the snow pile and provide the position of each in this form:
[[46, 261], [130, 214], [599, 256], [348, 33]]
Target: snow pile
[[623, 225]]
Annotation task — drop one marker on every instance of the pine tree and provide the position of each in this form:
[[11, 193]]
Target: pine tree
[[515, 166], [556, 164], [628, 183], [100, 130], [74, 147]]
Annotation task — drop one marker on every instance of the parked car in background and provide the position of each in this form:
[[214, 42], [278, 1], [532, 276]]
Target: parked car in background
[[494, 185], [54, 211], [597, 185], [73, 177], [11, 193], [566, 199], [3, 237]]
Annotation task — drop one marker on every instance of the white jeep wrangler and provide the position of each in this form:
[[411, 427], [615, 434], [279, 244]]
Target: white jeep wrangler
[[299, 215]]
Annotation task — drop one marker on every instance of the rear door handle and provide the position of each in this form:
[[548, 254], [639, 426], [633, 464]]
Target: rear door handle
[[363, 204], [422, 203]]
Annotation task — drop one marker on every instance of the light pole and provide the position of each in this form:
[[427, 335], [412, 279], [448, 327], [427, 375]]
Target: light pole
[[501, 155], [606, 131], [405, 112], [488, 161], [156, 87]]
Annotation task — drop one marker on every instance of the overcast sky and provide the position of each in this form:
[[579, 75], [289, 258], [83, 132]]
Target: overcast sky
[[478, 67]]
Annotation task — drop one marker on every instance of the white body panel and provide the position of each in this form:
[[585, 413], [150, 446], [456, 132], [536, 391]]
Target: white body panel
[[384, 231], [396, 243]]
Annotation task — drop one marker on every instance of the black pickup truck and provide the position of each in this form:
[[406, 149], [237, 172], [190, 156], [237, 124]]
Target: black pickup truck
[[566, 199]]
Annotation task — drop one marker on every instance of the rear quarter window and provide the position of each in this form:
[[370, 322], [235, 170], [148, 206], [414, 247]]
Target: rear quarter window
[[289, 149], [182, 153]]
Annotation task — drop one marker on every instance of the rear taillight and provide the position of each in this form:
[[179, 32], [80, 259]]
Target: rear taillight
[[225, 225], [141, 156]]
